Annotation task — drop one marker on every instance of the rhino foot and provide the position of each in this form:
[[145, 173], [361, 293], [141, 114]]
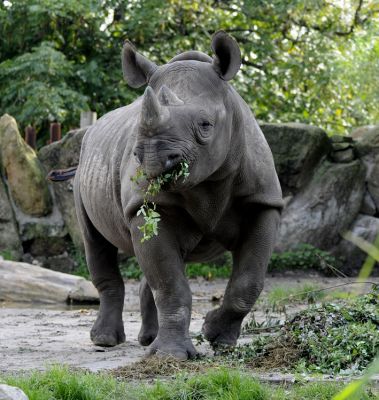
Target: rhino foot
[[220, 330], [146, 336], [107, 335], [169, 347]]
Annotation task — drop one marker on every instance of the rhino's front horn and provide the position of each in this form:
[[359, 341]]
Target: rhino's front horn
[[168, 98], [152, 113]]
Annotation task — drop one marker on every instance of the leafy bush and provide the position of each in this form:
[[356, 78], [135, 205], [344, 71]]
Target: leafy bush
[[304, 256], [7, 255], [34, 87], [327, 338]]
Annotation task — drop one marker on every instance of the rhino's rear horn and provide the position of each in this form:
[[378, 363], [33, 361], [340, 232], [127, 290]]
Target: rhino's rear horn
[[168, 98], [153, 113]]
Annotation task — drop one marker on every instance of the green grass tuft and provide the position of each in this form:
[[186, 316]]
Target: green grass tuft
[[61, 383]]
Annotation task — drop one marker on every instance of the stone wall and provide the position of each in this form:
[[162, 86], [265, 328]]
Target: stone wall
[[330, 185]]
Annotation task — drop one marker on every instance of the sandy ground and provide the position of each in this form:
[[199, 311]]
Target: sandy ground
[[36, 336]]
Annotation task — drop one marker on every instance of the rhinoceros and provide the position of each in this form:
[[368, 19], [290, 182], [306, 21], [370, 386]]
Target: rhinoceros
[[231, 200]]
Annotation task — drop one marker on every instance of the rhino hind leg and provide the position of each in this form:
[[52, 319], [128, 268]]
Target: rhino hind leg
[[222, 326], [108, 329], [149, 328]]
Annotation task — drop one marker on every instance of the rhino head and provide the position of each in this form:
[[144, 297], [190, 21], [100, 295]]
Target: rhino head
[[187, 111]]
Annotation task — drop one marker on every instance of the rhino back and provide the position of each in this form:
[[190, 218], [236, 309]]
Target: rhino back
[[107, 150]]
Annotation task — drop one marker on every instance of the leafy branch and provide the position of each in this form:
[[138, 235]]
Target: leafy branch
[[149, 208]]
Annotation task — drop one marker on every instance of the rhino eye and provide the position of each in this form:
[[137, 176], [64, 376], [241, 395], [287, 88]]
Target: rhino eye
[[205, 125]]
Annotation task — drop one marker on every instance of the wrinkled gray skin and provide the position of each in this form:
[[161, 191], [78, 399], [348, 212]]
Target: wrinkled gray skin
[[230, 201]]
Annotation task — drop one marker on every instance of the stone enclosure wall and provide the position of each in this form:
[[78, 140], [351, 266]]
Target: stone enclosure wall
[[330, 185]]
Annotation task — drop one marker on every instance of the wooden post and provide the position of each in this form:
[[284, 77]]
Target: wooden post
[[30, 136], [55, 132]]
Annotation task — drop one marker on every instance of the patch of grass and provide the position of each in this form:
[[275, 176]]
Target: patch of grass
[[325, 338], [60, 383], [307, 292], [208, 271], [7, 255]]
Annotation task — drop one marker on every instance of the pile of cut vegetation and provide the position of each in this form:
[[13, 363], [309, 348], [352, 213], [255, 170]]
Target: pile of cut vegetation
[[327, 338]]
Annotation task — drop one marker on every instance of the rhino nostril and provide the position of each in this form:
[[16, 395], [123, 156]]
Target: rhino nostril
[[173, 157], [172, 160]]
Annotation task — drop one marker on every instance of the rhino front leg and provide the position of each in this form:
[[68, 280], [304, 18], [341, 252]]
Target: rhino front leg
[[250, 259], [108, 329], [149, 328], [162, 263]]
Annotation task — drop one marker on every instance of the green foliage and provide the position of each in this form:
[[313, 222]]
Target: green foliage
[[81, 268], [326, 338], [148, 209], [304, 256], [34, 87], [7, 255], [60, 383], [130, 269], [307, 292], [308, 61]]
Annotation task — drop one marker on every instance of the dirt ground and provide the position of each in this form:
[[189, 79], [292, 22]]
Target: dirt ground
[[34, 337]]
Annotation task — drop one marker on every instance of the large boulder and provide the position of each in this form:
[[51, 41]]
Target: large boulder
[[24, 172], [366, 227], [64, 154], [9, 238], [22, 282], [325, 207], [297, 149], [11, 393], [368, 150]]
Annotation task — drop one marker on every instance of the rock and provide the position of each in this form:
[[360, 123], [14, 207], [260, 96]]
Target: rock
[[340, 139], [297, 149], [21, 282], [30, 227], [364, 226], [24, 172], [341, 146], [11, 393], [361, 131], [324, 208], [64, 154], [368, 149], [47, 246], [9, 238], [62, 263], [368, 206], [344, 156]]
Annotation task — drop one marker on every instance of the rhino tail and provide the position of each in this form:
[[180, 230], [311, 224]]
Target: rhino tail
[[58, 175]]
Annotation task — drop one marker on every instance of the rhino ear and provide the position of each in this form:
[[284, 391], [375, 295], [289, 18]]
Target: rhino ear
[[227, 60], [136, 68]]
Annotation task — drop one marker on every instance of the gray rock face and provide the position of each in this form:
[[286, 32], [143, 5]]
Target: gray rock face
[[64, 154], [297, 149], [368, 150], [11, 393], [325, 207], [9, 238], [25, 175], [365, 227]]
